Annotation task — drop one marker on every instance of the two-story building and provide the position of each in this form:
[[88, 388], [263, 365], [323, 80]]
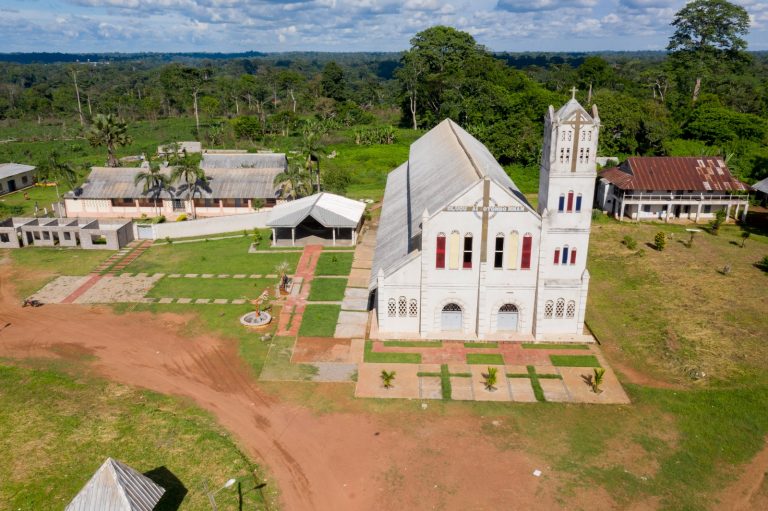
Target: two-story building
[[460, 252]]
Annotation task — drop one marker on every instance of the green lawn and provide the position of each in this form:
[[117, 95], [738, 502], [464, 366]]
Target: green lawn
[[211, 288], [389, 358], [43, 195], [483, 345], [338, 263], [574, 361], [414, 344], [485, 358], [228, 256], [327, 290], [58, 429], [319, 320], [553, 346]]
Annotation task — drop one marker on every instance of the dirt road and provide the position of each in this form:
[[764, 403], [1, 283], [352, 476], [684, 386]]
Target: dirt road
[[333, 461]]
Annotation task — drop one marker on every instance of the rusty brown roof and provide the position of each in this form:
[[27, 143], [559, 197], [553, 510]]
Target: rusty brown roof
[[673, 173]]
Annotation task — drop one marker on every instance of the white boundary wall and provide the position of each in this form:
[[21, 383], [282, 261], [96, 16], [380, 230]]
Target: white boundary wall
[[205, 226]]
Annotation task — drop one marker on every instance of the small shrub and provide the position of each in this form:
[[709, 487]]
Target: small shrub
[[660, 241], [257, 238], [714, 225], [181, 218], [168, 240], [763, 264], [387, 378], [597, 214], [257, 204], [598, 379], [629, 242], [490, 378]]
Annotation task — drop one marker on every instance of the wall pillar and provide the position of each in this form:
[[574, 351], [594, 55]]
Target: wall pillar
[[621, 213], [727, 211], [744, 215], [698, 212], [333, 234], [274, 237], [293, 236]]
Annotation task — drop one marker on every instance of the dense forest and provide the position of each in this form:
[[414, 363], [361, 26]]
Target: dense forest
[[707, 95]]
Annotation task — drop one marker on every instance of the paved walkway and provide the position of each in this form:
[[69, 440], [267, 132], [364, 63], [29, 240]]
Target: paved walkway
[[123, 257], [292, 311], [353, 319]]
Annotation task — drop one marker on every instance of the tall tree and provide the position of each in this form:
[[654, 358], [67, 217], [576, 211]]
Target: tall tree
[[189, 172], [332, 82], [53, 170], [153, 180], [708, 32], [295, 182], [109, 131]]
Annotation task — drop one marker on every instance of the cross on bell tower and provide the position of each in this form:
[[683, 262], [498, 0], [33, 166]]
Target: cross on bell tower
[[573, 92]]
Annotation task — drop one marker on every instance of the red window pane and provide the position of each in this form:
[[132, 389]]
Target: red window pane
[[440, 260], [467, 252], [573, 256], [525, 262], [570, 202], [557, 256]]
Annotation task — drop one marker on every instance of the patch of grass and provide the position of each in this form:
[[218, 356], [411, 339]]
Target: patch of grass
[[389, 358], [228, 256], [327, 290], [337, 263], [538, 392], [445, 382], [278, 366], [484, 345], [211, 288], [48, 410], [319, 320], [574, 361], [414, 344], [44, 196], [553, 346], [485, 358]]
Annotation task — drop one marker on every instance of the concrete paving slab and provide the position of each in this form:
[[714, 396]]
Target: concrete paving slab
[[255, 276], [461, 389], [203, 300], [220, 301], [59, 288], [430, 387], [332, 372], [359, 278], [516, 369], [520, 389], [429, 368], [239, 276], [554, 390], [501, 392], [357, 350], [174, 276], [580, 392], [355, 304], [207, 275], [184, 300], [405, 384], [111, 289], [223, 276], [191, 275], [165, 300], [238, 301], [458, 368], [351, 325]]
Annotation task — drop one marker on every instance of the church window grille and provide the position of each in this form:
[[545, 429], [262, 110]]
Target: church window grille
[[570, 201], [563, 137], [583, 135], [549, 308], [561, 203], [586, 155], [440, 252], [467, 261], [589, 137], [560, 308], [498, 255], [413, 308], [391, 308], [452, 307], [508, 307], [565, 254], [573, 256], [567, 155], [557, 256], [581, 155], [401, 306], [525, 263], [570, 310], [562, 155], [578, 203], [570, 134]]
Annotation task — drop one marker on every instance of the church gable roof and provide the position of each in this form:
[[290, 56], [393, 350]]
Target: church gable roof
[[571, 108], [702, 174]]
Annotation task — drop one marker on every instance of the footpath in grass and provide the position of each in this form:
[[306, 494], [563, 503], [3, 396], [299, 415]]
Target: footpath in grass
[[334, 263], [84, 420]]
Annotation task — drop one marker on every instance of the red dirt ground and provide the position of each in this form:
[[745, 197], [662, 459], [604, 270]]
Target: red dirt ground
[[334, 461]]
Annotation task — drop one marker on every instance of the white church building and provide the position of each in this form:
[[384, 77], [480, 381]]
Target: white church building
[[461, 254]]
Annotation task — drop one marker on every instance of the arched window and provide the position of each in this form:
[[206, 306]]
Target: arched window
[[570, 311], [583, 135], [440, 251], [563, 137], [578, 203], [565, 254], [573, 256], [570, 134], [557, 256], [401, 306], [570, 201], [525, 262], [452, 307], [508, 307], [467, 259], [391, 308], [413, 308], [561, 203], [549, 308], [498, 252], [512, 251], [589, 137], [451, 317], [560, 308], [507, 318]]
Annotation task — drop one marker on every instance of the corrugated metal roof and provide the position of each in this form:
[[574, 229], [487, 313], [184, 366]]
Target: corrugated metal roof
[[673, 173], [244, 160], [329, 209], [236, 183], [441, 165], [13, 169], [117, 487], [761, 186]]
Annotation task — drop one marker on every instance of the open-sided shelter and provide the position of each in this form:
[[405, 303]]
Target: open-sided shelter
[[322, 218]]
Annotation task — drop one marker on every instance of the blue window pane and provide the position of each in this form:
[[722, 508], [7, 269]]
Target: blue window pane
[[561, 204], [578, 203], [565, 255]]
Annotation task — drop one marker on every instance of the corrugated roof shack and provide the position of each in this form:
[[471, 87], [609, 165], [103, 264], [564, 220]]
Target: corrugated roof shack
[[234, 182], [15, 176], [322, 218], [117, 487], [671, 188]]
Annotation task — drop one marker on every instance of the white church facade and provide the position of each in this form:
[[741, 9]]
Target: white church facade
[[460, 253]]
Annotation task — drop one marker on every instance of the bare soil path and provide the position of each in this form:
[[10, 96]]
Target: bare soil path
[[742, 494], [334, 461]]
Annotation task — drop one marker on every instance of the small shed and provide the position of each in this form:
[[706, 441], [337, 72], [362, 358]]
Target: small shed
[[322, 218], [117, 487], [761, 187], [16, 176]]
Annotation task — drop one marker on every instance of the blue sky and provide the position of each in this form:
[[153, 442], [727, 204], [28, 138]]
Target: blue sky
[[341, 25]]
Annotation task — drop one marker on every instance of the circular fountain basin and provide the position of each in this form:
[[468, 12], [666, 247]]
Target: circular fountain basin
[[256, 319]]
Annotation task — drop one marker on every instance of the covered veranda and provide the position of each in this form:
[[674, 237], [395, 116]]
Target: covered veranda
[[320, 219]]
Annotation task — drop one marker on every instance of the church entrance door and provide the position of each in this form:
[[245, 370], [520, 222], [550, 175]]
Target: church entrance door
[[450, 318], [507, 318]]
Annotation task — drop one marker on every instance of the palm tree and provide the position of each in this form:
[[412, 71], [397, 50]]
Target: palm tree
[[189, 172], [153, 180], [312, 132], [295, 182], [109, 131], [54, 171], [490, 378]]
